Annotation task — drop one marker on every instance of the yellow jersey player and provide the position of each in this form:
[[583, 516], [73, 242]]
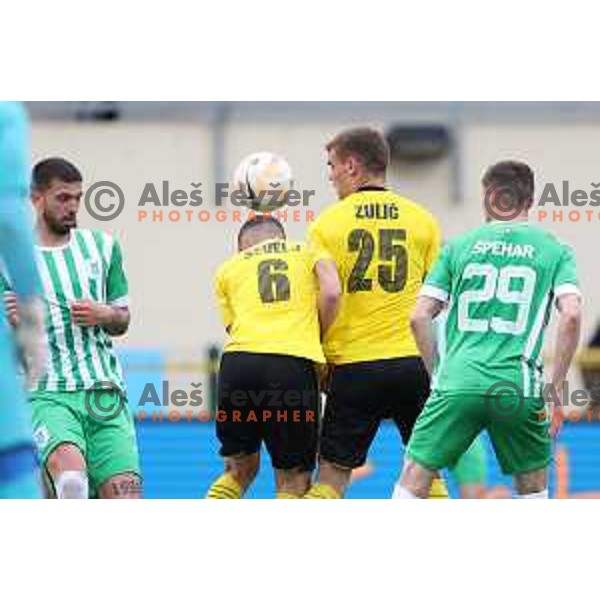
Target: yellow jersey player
[[383, 246], [277, 298]]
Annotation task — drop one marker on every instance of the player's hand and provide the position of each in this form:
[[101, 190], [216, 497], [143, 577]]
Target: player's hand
[[12, 308], [556, 421], [31, 340], [324, 375], [86, 313]]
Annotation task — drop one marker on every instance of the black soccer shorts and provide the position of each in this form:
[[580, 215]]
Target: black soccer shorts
[[271, 398], [360, 396]]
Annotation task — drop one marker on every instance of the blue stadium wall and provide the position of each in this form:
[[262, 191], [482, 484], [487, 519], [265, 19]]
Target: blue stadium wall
[[179, 460]]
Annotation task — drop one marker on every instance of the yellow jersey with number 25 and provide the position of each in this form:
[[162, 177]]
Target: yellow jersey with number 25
[[383, 245]]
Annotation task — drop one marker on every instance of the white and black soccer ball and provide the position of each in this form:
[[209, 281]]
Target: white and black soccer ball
[[264, 178]]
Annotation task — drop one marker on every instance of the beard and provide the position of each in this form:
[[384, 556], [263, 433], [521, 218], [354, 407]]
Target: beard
[[57, 226]]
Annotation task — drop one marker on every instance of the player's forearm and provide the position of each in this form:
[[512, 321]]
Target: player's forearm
[[31, 339], [421, 323], [329, 304], [330, 293], [115, 320], [565, 346], [422, 328]]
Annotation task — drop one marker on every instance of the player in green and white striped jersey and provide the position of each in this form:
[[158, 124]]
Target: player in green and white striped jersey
[[89, 268], [82, 425], [499, 282]]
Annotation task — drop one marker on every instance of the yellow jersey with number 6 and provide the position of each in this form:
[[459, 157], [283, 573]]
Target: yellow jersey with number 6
[[268, 299], [383, 245]]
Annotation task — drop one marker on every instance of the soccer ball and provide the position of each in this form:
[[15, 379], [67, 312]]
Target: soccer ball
[[264, 178]]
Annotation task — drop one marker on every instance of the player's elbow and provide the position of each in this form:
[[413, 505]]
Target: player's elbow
[[116, 330], [419, 318], [416, 322], [573, 316], [123, 328], [120, 330], [571, 320], [120, 323], [570, 313], [331, 294], [330, 287]]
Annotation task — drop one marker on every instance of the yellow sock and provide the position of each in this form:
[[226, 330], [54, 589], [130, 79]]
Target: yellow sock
[[321, 491], [225, 488], [438, 490], [286, 496]]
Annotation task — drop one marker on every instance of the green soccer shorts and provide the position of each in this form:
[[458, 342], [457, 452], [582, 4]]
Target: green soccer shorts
[[449, 422], [101, 427]]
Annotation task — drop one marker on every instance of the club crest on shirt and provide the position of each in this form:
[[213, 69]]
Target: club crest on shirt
[[41, 437], [93, 269]]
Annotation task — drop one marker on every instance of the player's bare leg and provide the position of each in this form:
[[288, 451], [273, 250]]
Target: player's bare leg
[[532, 485], [67, 469], [125, 486], [240, 472], [243, 468], [291, 483], [415, 482], [476, 491], [332, 483], [498, 492], [471, 491]]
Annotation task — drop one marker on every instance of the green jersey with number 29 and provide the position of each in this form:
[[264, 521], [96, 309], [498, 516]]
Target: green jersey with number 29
[[499, 281]]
